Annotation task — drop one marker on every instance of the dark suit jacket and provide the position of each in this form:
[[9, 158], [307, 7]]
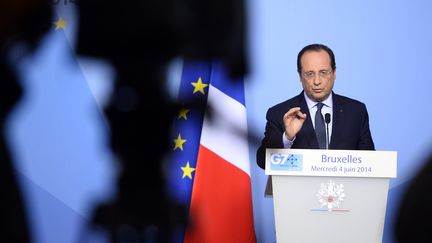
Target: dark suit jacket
[[350, 128]]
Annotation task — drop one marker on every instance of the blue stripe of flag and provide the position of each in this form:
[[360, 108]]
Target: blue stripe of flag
[[221, 80]]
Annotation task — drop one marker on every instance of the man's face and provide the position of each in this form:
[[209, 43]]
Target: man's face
[[317, 76]]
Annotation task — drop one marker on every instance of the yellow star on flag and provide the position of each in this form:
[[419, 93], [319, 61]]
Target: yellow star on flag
[[60, 24], [178, 142], [183, 113], [187, 171], [199, 86]]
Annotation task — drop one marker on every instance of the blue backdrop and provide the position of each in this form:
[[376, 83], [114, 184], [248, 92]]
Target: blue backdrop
[[58, 133]]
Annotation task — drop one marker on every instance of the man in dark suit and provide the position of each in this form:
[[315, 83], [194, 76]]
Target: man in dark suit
[[295, 123]]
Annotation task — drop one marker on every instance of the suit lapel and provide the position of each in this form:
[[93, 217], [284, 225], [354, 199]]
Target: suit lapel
[[337, 116]]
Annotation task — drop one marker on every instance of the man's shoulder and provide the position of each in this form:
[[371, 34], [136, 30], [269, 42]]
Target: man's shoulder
[[287, 104], [346, 100]]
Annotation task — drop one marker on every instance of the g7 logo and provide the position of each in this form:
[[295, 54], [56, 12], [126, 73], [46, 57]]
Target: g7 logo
[[282, 159]]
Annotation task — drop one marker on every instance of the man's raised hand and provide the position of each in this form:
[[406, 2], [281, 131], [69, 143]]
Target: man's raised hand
[[293, 121]]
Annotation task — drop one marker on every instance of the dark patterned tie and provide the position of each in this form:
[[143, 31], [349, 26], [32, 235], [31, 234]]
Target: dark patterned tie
[[320, 127]]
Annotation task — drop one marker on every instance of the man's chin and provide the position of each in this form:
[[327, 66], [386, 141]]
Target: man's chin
[[319, 97]]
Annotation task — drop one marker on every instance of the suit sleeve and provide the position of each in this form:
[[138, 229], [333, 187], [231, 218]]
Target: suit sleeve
[[365, 138], [272, 136]]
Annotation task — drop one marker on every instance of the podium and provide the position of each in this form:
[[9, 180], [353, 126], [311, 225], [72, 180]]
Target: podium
[[335, 196]]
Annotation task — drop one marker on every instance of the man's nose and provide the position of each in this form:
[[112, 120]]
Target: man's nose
[[317, 80]]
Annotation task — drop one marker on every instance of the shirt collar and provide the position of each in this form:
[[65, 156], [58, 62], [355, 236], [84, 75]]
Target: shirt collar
[[327, 102]]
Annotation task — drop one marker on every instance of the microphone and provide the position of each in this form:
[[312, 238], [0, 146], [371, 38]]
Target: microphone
[[327, 121]]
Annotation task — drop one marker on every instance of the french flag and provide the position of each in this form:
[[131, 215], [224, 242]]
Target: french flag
[[221, 201]]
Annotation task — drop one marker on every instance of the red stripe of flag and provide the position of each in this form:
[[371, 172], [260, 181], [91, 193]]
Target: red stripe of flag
[[221, 204]]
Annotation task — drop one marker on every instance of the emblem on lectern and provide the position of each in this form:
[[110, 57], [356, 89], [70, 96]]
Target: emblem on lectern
[[287, 162], [330, 195]]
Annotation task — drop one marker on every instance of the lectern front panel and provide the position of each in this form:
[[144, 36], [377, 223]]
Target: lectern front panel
[[329, 209]]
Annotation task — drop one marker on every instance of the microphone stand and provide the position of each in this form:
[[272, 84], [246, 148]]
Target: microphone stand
[[327, 121]]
